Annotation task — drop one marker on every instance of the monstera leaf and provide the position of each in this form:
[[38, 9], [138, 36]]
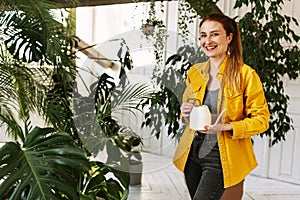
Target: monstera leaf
[[48, 166]]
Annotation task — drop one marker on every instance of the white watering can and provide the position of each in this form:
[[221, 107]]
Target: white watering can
[[199, 117]]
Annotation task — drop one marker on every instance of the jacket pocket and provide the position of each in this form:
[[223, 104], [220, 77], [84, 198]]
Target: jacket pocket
[[234, 104]]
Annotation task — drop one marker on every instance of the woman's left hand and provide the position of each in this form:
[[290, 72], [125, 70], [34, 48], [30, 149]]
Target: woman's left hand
[[209, 129], [219, 127]]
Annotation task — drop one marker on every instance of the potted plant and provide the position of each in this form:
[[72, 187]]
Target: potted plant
[[99, 126], [122, 143], [135, 166]]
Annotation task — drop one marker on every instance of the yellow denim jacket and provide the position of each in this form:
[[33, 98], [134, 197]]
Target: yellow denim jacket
[[246, 111]]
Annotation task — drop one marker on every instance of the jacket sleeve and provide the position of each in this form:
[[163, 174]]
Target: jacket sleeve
[[255, 112]]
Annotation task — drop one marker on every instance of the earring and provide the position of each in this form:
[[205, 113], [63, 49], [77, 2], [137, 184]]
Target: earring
[[228, 51]]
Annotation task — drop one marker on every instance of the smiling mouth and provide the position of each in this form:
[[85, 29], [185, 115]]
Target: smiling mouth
[[210, 48]]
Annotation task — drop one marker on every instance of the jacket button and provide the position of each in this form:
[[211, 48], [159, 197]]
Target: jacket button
[[230, 94], [221, 144]]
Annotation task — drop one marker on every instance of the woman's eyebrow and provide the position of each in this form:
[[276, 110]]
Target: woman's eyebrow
[[214, 31]]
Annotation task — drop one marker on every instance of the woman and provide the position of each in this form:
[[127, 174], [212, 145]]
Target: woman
[[218, 158]]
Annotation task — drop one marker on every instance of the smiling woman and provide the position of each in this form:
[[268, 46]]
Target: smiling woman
[[210, 158]]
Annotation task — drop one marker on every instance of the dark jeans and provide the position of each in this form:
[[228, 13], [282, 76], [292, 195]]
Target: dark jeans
[[203, 171]]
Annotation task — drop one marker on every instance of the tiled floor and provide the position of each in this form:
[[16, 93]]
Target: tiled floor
[[162, 181]]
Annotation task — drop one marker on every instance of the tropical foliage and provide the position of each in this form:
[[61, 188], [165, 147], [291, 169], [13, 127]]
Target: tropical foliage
[[47, 166], [37, 77], [270, 46], [37, 46], [97, 121], [99, 183], [35, 51]]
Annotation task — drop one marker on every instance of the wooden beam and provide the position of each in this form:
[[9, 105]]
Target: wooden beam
[[92, 53], [83, 3]]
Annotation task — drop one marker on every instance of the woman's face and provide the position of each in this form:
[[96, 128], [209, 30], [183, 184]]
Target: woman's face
[[213, 39]]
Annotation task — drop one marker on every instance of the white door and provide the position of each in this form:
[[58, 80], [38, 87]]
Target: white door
[[285, 157], [282, 161]]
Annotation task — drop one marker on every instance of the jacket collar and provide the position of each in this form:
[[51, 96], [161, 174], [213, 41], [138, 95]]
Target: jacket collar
[[205, 68], [223, 66]]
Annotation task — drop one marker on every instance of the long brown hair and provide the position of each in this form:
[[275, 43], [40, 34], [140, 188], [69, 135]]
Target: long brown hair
[[235, 60]]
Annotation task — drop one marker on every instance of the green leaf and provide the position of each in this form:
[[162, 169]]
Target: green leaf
[[101, 185], [47, 167]]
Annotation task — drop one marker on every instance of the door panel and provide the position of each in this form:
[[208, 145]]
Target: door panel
[[284, 161]]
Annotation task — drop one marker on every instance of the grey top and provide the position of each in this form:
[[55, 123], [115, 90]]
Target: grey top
[[208, 141], [211, 100]]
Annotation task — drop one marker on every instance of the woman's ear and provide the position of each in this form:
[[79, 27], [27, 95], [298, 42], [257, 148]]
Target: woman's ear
[[229, 37]]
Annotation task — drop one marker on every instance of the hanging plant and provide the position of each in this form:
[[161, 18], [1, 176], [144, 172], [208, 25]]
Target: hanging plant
[[155, 31], [149, 27]]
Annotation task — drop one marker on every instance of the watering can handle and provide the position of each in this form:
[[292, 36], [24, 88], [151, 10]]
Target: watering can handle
[[195, 100], [219, 117]]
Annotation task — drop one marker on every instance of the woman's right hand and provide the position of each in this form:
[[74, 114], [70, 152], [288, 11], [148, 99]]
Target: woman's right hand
[[186, 109]]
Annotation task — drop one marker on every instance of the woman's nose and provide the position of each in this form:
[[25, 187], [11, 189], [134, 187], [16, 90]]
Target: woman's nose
[[205, 41], [208, 39]]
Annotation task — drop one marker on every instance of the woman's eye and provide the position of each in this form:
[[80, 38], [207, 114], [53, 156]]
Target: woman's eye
[[202, 36], [214, 34]]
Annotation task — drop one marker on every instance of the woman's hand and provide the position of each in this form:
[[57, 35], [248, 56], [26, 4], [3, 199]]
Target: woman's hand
[[213, 129], [219, 127], [186, 109]]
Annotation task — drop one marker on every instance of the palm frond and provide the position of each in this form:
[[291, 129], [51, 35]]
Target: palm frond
[[21, 91], [127, 100], [7, 117]]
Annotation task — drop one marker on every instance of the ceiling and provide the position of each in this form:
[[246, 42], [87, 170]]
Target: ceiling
[[81, 3]]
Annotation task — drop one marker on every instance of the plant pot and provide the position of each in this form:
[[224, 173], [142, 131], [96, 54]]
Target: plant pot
[[148, 29], [135, 173]]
